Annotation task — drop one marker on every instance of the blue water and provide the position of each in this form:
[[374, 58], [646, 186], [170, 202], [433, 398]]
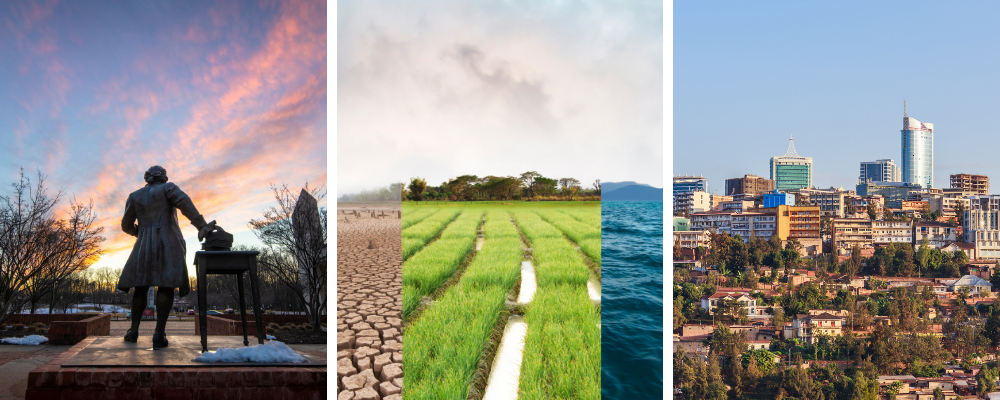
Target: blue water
[[632, 300]]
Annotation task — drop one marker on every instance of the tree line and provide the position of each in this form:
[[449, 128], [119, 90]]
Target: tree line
[[46, 255], [528, 186], [392, 192]]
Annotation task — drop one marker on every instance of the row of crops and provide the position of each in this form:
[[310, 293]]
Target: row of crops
[[563, 344], [586, 235], [449, 340], [417, 234], [444, 346], [433, 265]]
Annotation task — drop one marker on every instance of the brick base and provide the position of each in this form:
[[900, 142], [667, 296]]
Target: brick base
[[52, 381], [67, 328]]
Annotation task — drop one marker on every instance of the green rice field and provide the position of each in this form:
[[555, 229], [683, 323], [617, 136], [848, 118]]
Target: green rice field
[[457, 299]]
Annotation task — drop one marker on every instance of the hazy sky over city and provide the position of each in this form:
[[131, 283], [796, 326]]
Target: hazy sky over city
[[228, 96], [747, 75], [439, 89]]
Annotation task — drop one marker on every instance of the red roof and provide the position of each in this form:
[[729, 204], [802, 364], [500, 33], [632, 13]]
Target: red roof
[[963, 245], [723, 293], [823, 317]]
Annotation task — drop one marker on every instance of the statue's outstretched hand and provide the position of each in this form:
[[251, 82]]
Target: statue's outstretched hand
[[205, 230]]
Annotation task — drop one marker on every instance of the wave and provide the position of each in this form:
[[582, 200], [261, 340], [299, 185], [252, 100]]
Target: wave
[[632, 300]]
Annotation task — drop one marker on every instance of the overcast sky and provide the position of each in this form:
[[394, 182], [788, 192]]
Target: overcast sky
[[833, 74], [228, 96], [439, 89]]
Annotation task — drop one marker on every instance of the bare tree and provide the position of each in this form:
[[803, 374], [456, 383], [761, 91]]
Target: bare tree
[[30, 240], [566, 183], [527, 179], [78, 241], [72, 290], [104, 291], [569, 186], [291, 253], [597, 186]]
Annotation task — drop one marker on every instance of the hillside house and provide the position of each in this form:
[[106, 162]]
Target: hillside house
[[807, 327], [710, 303]]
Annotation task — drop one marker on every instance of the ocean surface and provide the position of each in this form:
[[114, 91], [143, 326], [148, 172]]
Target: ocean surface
[[632, 300]]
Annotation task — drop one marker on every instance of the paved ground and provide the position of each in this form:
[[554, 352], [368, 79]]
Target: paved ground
[[17, 361]]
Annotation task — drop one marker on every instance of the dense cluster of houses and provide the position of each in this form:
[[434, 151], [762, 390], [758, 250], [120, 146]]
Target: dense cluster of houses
[[806, 328], [878, 213]]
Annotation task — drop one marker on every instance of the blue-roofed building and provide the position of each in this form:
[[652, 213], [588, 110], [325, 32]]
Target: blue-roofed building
[[777, 198]]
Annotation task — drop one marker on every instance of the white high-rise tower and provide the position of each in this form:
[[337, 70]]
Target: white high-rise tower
[[918, 151]]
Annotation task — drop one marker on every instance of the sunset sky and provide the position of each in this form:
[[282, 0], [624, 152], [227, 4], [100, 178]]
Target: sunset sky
[[229, 97]]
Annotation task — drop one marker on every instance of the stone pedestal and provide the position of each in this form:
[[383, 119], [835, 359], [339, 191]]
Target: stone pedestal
[[109, 368]]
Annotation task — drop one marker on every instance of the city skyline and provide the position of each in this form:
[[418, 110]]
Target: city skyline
[[740, 92]]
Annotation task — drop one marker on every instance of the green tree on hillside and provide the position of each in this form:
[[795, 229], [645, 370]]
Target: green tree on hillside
[[716, 389], [923, 255], [778, 317], [725, 342], [527, 179], [542, 186], [417, 186], [986, 380], [960, 218]]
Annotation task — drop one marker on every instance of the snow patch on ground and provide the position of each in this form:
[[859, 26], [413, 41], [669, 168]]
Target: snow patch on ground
[[79, 308], [45, 310], [32, 339], [271, 352], [269, 337]]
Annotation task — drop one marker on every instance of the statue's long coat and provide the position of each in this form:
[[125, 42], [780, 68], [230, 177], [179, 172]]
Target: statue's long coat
[[157, 258]]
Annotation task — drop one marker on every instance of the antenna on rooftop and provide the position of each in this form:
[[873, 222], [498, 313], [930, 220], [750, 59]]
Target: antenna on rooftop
[[904, 108]]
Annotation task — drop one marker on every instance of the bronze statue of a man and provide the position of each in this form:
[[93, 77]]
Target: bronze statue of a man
[[158, 257]]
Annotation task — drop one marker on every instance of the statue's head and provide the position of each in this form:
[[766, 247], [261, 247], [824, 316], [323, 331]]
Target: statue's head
[[155, 174]]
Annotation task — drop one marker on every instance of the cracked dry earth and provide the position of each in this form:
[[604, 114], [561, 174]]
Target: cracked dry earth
[[369, 304]]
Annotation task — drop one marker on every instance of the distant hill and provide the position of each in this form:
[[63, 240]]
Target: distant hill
[[612, 186], [633, 193]]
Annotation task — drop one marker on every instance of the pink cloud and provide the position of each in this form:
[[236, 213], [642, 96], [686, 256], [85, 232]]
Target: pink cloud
[[253, 125]]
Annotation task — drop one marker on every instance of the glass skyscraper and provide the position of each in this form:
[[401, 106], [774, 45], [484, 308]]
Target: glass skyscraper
[[688, 184], [879, 171], [791, 171], [918, 152]]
